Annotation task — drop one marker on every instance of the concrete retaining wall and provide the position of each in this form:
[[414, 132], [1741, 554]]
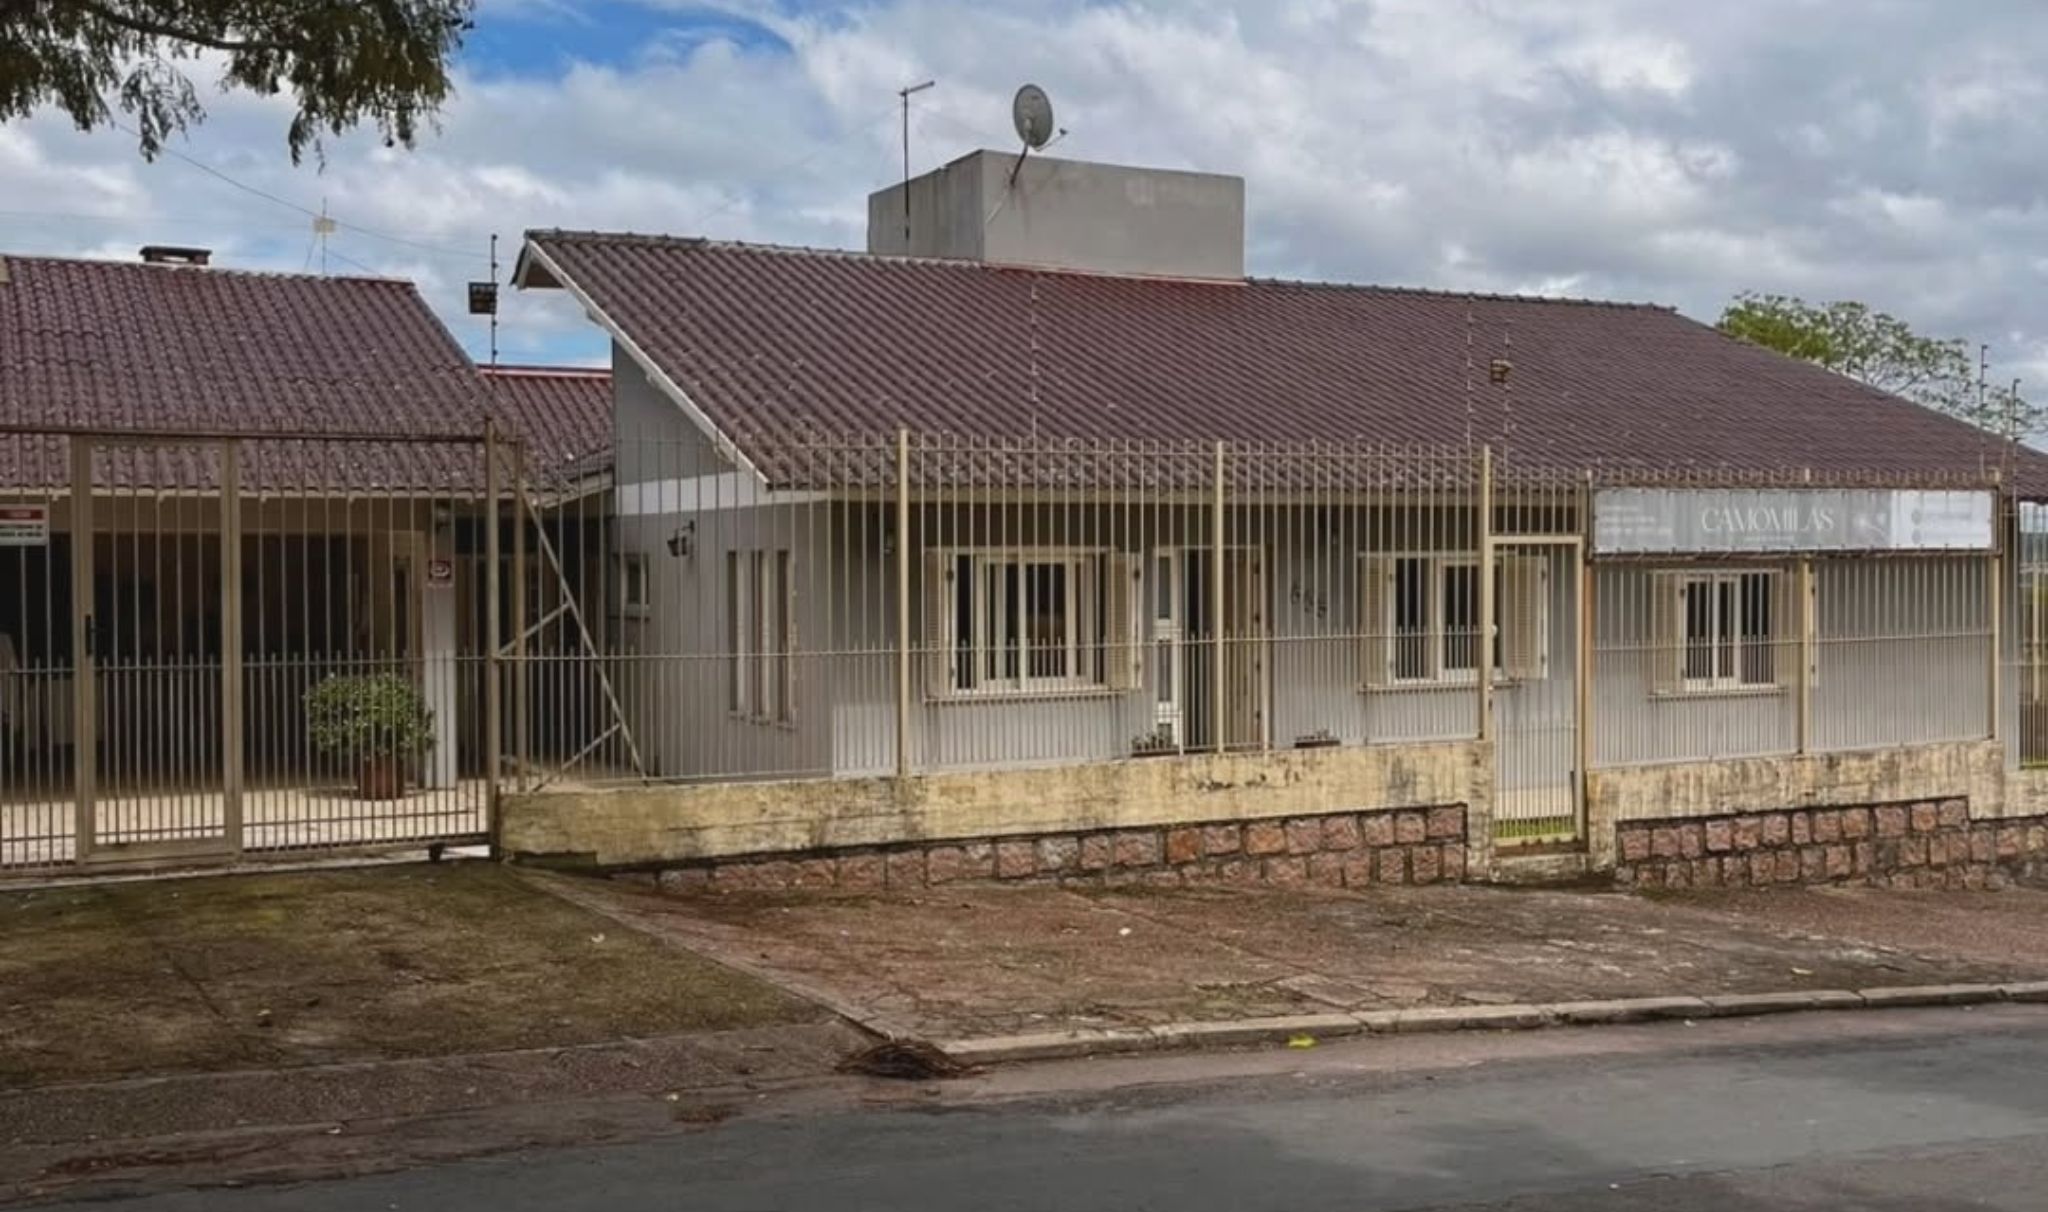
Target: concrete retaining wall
[[1969, 771], [1339, 850], [653, 827]]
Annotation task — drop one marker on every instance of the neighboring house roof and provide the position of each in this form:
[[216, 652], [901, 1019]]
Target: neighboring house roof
[[129, 346], [774, 346], [563, 412]]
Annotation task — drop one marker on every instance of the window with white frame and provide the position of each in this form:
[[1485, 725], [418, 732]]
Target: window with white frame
[[1420, 623], [1030, 621], [739, 610], [760, 635], [1719, 629]]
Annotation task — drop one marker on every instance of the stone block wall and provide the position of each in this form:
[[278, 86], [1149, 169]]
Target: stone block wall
[[1333, 850], [1919, 844]]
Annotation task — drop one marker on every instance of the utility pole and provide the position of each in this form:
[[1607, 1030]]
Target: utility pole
[[905, 94]]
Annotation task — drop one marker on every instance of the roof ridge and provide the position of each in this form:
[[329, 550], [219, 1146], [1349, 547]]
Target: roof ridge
[[1445, 292], [214, 270], [662, 240], [537, 370]]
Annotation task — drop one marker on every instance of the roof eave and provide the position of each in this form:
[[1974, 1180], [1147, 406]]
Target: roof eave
[[532, 253], [528, 275]]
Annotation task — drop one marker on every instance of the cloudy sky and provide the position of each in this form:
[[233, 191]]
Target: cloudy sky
[[1666, 150]]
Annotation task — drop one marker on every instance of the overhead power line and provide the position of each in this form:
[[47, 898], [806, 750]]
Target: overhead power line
[[309, 212]]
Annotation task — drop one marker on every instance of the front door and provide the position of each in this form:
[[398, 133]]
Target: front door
[[1187, 635], [1169, 649]]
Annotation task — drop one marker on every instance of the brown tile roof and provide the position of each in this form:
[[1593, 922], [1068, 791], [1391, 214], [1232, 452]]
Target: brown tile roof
[[772, 344], [130, 346], [563, 412]]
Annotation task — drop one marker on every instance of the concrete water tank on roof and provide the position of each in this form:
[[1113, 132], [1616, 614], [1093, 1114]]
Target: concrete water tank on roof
[[1066, 214]]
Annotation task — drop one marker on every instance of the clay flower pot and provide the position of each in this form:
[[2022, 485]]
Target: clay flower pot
[[380, 778]]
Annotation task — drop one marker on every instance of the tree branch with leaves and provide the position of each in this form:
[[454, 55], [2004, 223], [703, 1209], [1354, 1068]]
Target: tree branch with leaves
[[1882, 350], [344, 62]]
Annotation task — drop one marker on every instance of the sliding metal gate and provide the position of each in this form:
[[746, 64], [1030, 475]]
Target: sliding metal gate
[[176, 610]]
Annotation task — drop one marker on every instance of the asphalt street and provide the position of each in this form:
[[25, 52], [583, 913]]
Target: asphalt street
[[1766, 1118]]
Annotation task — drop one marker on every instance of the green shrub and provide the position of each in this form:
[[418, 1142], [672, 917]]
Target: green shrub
[[375, 715]]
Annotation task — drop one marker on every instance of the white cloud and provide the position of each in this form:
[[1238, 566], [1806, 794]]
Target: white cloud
[[1630, 148], [1631, 63]]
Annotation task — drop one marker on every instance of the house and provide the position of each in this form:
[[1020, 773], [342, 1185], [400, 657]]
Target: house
[[1039, 523], [284, 480]]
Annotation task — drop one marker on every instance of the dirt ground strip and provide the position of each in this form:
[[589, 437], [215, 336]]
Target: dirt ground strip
[[260, 971], [986, 961]]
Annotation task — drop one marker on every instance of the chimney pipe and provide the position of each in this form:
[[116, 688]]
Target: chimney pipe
[[172, 254]]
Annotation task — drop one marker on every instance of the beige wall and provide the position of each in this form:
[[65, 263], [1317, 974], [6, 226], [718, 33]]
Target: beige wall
[[647, 826], [1973, 770]]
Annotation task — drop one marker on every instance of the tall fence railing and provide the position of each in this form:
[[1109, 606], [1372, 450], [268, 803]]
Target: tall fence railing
[[874, 605], [1736, 650], [909, 603], [215, 644], [2026, 648]]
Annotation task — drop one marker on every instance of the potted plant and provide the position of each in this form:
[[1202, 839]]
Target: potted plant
[[379, 721], [1157, 743]]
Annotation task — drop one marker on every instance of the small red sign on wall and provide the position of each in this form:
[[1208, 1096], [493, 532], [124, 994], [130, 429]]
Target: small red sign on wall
[[24, 525]]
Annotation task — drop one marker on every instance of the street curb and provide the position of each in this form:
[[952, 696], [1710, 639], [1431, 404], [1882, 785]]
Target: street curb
[[1104, 1041]]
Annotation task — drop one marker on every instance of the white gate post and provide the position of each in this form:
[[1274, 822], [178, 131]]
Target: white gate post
[[438, 651], [231, 681], [1483, 664]]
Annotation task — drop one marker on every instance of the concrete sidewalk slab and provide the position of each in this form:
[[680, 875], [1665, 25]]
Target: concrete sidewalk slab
[[1005, 973]]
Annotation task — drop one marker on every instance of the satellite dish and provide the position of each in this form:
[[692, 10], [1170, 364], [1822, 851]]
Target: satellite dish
[[1032, 114]]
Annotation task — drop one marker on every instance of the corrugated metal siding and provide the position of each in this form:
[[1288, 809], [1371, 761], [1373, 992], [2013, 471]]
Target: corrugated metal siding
[[1904, 652], [1632, 724], [1903, 657], [681, 707]]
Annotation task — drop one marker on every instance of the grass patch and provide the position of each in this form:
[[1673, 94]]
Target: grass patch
[[364, 964], [1536, 829]]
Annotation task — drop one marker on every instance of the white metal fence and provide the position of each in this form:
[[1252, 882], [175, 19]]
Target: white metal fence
[[911, 603], [215, 645], [905, 603]]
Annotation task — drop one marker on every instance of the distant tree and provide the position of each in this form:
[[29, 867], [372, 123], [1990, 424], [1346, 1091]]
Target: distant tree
[[344, 62], [1882, 350]]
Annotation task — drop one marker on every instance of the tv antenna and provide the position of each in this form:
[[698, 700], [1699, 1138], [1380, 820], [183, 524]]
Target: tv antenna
[[1031, 114], [906, 93], [323, 227], [483, 298]]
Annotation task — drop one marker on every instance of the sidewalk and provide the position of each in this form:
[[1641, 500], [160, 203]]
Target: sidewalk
[[969, 966]]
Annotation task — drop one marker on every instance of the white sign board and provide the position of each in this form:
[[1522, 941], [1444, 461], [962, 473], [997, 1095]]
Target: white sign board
[[24, 525], [1662, 521]]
